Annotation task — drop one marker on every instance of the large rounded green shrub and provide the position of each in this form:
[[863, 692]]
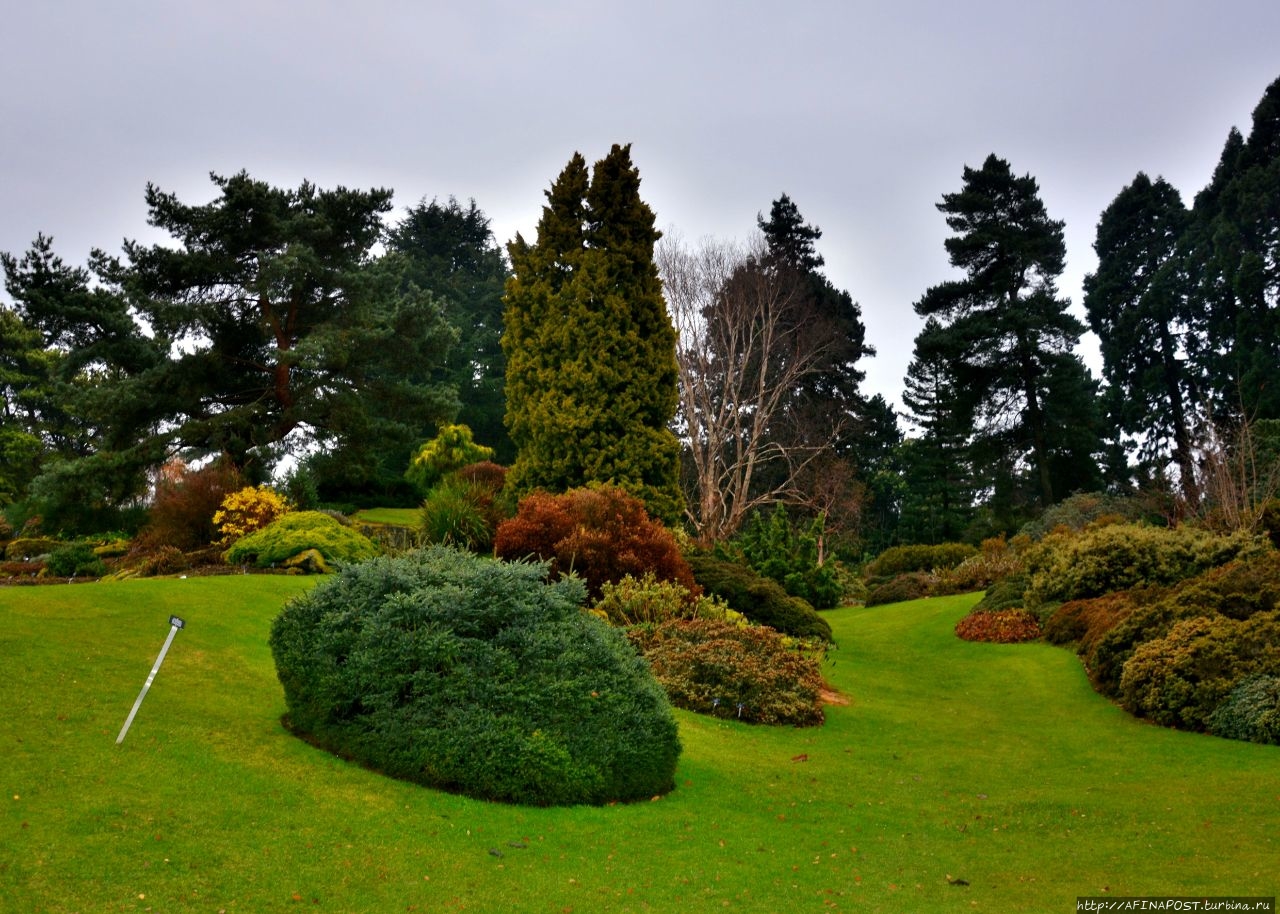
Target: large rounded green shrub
[[296, 533], [760, 599], [476, 676]]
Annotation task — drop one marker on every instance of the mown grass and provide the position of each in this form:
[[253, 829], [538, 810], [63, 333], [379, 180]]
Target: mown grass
[[953, 763], [396, 517]]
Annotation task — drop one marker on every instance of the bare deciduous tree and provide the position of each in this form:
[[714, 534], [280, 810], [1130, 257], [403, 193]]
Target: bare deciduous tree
[[746, 342]]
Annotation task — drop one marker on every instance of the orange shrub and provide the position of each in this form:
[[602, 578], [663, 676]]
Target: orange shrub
[[600, 534], [1002, 626]]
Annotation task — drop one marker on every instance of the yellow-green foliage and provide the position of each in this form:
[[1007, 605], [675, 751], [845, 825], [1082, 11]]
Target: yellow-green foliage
[[453, 448], [633, 601], [898, 560], [249, 509], [298, 532], [1073, 566]]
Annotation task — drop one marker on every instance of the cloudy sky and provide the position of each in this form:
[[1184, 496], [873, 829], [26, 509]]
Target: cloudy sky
[[865, 113]]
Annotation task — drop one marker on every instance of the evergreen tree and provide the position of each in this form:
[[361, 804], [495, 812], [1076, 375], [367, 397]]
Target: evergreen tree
[[1007, 336], [1235, 250], [85, 401], [831, 393], [591, 372], [938, 496], [1138, 306], [451, 253]]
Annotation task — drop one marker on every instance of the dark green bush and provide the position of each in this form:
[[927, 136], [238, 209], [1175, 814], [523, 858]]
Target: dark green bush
[[759, 599], [1083, 510], [909, 586], [1007, 593], [75, 561], [734, 671], [1251, 712], [465, 509], [1181, 679], [779, 550], [477, 676], [297, 532], [898, 560]]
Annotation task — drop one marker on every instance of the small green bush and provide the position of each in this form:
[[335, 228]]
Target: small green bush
[[726, 670], [898, 560], [778, 550], [1251, 712], [476, 676], [1006, 593], [1122, 556], [758, 598], [1001, 626], [633, 601], [295, 533], [1181, 679], [75, 561], [453, 448], [465, 509]]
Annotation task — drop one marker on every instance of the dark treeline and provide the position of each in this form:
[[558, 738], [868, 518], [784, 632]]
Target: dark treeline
[[308, 328]]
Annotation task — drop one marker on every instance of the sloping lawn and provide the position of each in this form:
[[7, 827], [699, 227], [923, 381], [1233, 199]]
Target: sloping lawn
[[960, 777]]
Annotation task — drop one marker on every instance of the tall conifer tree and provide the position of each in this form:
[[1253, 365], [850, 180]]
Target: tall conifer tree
[[1234, 246], [1008, 337], [591, 370], [1138, 306]]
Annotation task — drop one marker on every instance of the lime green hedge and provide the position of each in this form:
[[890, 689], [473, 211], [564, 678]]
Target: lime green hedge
[[297, 533]]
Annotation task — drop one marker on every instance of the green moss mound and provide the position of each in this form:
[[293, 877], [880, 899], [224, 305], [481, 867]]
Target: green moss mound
[[475, 676], [296, 533]]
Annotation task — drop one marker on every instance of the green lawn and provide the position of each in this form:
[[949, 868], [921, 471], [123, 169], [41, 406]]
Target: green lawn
[[396, 517], [996, 766]]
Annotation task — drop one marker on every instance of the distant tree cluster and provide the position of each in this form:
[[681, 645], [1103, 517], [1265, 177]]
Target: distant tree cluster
[[714, 382]]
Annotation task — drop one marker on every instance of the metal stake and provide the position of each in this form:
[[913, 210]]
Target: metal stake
[[177, 624]]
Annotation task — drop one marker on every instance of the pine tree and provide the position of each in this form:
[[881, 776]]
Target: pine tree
[[451, 253], [1234, 249], [1138, 306], [937, 502], [1008, 338], [831, 393], [591, 372]]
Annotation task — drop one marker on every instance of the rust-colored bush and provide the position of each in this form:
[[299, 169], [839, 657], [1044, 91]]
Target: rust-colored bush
[[1002, 626], [181, 514], [600, 534], [1083, 622]]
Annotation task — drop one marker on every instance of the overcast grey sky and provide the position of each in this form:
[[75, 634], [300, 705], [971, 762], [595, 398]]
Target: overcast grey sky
[[865, 113]]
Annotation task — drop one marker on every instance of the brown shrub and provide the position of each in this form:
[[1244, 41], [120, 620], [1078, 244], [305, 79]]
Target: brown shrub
[[181, 514], [600, 534], [1002, 626]]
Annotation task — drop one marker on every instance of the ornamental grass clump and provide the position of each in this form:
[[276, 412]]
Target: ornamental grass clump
[[476, 676]]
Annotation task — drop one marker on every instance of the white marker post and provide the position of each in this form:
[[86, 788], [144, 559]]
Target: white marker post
[[177, 624]]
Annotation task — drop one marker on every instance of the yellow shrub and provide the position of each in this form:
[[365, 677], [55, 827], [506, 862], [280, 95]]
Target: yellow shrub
[[248, 510]]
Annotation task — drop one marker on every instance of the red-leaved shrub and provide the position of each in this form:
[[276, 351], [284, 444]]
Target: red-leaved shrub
[[181, 514], [600, 534], [1003, 626]]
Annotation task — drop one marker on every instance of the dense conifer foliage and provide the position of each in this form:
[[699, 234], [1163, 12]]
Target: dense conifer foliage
[[477, 676], [591, 370]]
